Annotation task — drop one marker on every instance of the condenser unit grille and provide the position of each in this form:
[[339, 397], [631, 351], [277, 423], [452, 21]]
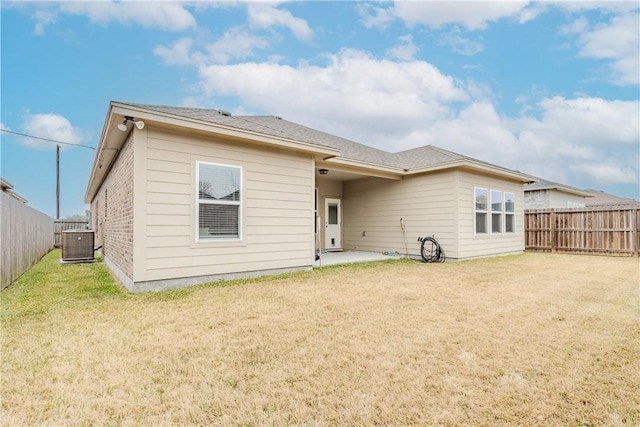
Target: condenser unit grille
[[77, 245]]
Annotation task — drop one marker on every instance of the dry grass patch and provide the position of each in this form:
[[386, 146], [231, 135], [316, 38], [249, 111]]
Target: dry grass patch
[[537, 339]]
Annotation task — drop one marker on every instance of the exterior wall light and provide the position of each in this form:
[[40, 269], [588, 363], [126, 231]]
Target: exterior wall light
[[323, 171], [123, 126]]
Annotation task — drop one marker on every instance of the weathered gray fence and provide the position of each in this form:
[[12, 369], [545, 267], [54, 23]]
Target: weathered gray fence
[[613, 230], [27, 235], [68, 224]]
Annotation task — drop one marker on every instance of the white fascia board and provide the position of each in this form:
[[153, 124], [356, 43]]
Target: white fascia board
[[5, 184], [112, 139], [229, 131], [97, 173], [370, 169], [477, 166], [563, 189]]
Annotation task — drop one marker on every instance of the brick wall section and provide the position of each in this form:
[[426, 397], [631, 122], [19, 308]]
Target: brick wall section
[[112, 211], [536, 199]]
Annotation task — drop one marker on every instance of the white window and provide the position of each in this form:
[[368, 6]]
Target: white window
[[219, 201], [481, 210], [509, 212], [496, 211]]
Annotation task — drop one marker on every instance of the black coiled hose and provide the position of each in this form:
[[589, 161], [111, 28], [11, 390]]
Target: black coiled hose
[[430, 249]]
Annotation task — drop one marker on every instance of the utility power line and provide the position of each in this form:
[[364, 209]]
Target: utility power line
[[46, 139]]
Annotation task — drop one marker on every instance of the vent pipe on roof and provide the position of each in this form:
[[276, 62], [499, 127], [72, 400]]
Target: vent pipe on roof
[[224, 113]]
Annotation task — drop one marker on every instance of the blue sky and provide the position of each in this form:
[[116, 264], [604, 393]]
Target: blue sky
[[547, 88]]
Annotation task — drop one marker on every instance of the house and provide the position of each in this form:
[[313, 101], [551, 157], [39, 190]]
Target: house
[[181, 196], [7, 188], [602, 199], [545, 194]]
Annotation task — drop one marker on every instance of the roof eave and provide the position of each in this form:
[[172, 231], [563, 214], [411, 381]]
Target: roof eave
[[567, 190], [373, 169], [230, 131], [5, 184], [477, 166], [117, 112], [94, 180]]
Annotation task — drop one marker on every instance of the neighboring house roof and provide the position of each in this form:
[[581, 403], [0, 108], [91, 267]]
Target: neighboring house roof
[[543, 184], [275, 130], [7, 188], [600, 198]]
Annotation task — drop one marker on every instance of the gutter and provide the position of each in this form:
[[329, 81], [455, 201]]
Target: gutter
[[475, 165], [112, 139]]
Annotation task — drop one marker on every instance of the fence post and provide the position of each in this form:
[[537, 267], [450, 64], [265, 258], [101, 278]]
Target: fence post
[[635, 237], [552, 220]]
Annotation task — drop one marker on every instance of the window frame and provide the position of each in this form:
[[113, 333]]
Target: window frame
[[489, 212], [198, 201], [476, 211], [511, 214], [499, 213]]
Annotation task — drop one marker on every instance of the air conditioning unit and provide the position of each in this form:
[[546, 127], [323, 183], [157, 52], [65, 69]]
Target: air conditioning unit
[[77, 245]]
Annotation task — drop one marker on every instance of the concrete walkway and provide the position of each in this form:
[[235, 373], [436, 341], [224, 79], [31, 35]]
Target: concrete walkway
[[348, 257]]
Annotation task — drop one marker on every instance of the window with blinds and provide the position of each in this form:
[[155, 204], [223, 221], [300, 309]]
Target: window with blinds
[[219, 201]]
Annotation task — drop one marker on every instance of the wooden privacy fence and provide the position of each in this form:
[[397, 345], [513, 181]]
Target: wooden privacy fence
[[27, 235], [67, 224], [611, 230]]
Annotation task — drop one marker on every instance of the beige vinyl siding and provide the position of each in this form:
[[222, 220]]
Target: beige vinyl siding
[[472, 245], [276, 218], [374, 206]]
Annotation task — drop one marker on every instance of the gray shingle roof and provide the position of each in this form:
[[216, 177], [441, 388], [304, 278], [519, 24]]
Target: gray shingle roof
[[600, 198], [426, 156], [544, 184], [275, 126]]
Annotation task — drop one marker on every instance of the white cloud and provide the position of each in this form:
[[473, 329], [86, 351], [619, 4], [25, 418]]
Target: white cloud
[[234, 44], [476, 131], [178, 54], [531, 12], [585, 142], [472, 15], [404, 50], [354, 95], [592, 121], [42, 18], [618, 41], [400, 105], [578, 26], [459, 44], [572, 139], [51, 126], [375, 17], [605, 5], [605, 172], [266, 15], [170, 16]]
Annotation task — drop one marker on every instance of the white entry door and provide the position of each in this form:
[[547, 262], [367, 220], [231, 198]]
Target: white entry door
[[332, 225]]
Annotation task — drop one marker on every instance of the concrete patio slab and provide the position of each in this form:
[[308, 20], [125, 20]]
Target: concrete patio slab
[[348, 257]]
